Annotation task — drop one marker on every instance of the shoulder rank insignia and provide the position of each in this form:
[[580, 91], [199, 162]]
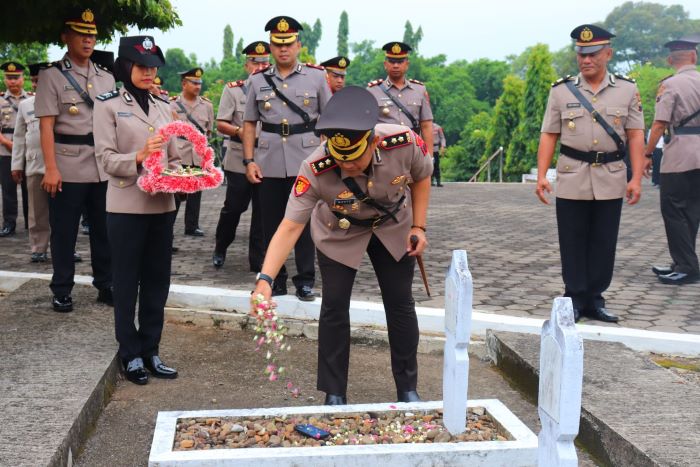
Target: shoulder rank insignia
[[301, 185], [624, 78], [313, 65], [664, 79], [396, 141], [375, 82], [416, 81], [235, 84], [266, 67], [160, 98], [107, 95], [172, 98], [561, 80], [322, 165], [205, 98]]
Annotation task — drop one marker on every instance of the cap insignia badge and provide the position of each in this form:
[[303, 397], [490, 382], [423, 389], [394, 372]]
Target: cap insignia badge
[[342, 63], [11, 67], [340, 141], [396, 49], [260, 48], [147, 44], [586, 35], [198, 73], [88, 16], [283, 25]]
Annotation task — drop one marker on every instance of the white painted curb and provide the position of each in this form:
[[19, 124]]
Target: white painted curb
[[430, 320]]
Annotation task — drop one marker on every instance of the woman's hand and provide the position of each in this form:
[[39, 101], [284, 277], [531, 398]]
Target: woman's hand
[[153, 144]]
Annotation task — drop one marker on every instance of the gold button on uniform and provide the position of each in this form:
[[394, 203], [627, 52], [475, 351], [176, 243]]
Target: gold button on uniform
[[284, 85], [89, 86], [594, 99], [121, 183], [595, 141]]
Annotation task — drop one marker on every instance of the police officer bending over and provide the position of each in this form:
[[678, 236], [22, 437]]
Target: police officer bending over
[[365, 189]]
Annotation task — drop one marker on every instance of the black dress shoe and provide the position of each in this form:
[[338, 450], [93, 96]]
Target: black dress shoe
[[39, 258], [306, 294], [661, 270], [7, 231], [160, 369], [602, 314], [218, 260], [106, 296], [408, 396], [77, 258], [334, 399], [62, 304], [279, 289], [194, 232], [679, 278], [135, 372]]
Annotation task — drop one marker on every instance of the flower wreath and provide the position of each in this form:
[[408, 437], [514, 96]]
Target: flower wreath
[[158, 179]]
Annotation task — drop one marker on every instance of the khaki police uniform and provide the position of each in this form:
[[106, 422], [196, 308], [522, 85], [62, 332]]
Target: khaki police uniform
[[9, 105], [589, 195], [284, 142], [439, 143], [239, 191], [413, 95], [27, 157], [679, 97], [81, 168], [320, 196]]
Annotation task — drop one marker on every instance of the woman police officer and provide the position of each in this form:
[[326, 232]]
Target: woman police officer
[[365, 189], [139, 225]]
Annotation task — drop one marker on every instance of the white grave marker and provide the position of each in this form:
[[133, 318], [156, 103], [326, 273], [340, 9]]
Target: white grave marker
[[561, 379], [458, 320]]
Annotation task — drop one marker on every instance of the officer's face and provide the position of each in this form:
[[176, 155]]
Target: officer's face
[[355, 167], [190, 87], [252, 67], [285, 54], [142, 76], [335, 81], [80, 45], [594, 65], [396, 69], [14, 84]]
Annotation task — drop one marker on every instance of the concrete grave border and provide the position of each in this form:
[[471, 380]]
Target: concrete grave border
[[521, 450]]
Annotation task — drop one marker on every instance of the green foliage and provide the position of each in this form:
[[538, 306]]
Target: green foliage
[[462, 159], [648, 77], [24, 54], [412, 38], [506, 116], [228, 42], [522, 150], [564, 61], [311, 36], [239, 49], [367, 64], [642, 28], [42, 20], [487, 77], [176, 61], [343, 33]]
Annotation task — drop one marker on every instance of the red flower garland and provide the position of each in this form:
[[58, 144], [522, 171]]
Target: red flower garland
[[159, 180]]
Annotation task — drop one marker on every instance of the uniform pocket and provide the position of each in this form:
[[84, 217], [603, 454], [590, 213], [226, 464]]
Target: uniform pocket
[[571, 121], [615, 166], [309, 140], [568, 165], [616, 116], [67, 150], [306, 99], [120, 182]]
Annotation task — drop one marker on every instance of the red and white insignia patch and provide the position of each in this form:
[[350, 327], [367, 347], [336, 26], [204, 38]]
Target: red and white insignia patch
[[301, 185], [420, 143]]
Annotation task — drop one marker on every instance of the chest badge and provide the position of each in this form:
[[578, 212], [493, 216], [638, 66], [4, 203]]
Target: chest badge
[[386, 111], [344, 223], [398, 180], [73, 110], [267, 105], [616, 121], [571, 125]]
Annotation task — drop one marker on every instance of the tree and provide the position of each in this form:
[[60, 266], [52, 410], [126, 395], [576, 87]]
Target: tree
[[564, 61], [412, 38], [43, 19], [228, 42], [239, 50], [343, 32], [487, 78], [25, 54], [648, 77], [367, 64], [522, 151], [462, 159], [311, 36], [506, 116]]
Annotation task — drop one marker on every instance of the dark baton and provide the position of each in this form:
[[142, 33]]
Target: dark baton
[[414, 242]]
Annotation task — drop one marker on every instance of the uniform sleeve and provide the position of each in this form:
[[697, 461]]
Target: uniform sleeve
[[210, 119], [665, 102], [227, 105], [421, 163], [426, 112], [252, 114], [324, 93], [46, 101], [19, 144], [551, 123], [105, 133], [300, 206], [635, 115]]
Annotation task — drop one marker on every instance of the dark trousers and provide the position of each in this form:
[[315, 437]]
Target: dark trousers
[[436, 167], [9, 195], [395, 282], [587, 241], [239, 193], [64, 218], [192, 208], [142, 252], [274, 193], [656, 165], [680, 209]]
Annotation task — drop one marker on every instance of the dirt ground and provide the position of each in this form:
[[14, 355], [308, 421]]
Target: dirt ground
[[219, 369]]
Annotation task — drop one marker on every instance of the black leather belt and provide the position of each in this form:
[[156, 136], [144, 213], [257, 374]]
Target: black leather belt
[[592, 157], [8, 130], [238, 139], [285, 129], [85, 140], [680, 130], [372, 222]]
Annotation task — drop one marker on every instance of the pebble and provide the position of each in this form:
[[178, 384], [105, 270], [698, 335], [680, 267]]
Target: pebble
[[271, 427], [186, 443], [443, 437], [236, 428], [275, 440], [431, 434], [478, 411]]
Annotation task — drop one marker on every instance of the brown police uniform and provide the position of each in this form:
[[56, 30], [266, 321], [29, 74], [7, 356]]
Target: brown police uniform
[[589, 195], [9, 105], [27, 156], [84, 180], [678, 98], [439, 143], [413, 95], [319, 195]]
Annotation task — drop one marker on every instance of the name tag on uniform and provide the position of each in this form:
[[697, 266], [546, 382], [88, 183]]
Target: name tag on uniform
[[265, 88], [67, 87], [573, 105], [344, 201], [124, 114]]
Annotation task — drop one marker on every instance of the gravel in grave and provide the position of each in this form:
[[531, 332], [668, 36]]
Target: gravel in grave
[[345, 429]]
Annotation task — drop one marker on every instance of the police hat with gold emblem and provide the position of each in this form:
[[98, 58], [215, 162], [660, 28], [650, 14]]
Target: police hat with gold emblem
[[12, 69], [283, 30], [194, 75], [142, 50], [590, 38], [82, 22], [396, 51], [258, 51], [337, 65], [684, 43], [348, 122]]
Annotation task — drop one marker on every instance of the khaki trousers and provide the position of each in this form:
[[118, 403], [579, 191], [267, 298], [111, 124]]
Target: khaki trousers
[[39, 230]]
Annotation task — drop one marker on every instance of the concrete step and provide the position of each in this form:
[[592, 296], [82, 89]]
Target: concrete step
[[57, 371], [633, 411]]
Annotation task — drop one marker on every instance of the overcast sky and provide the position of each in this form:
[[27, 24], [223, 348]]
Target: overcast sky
[[466, 29]]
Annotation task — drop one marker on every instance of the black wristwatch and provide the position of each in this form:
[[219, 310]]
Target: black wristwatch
[[247, 161], [264, 277]]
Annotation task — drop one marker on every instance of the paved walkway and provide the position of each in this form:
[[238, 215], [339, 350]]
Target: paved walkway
[[511, 241]]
